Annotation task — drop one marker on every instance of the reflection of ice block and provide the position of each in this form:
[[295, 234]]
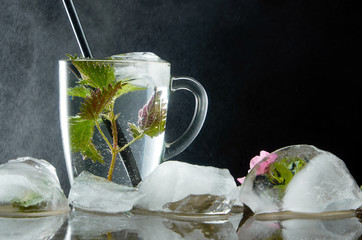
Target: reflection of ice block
[[85, 225], [29, 184], [140, 74], [185, 188], [346, 229], [311, 229], [30, 228], [151, 227], [201, 230], [93, 193], [300, 178], [254, 229]]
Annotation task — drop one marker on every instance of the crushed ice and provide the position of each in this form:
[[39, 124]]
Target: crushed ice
[[318, 182], [173, 187]]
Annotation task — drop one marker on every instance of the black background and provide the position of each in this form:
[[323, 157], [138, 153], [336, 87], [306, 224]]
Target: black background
[[277, 72]]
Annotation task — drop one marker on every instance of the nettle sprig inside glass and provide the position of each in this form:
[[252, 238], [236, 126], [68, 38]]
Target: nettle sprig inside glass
[[99, 87]]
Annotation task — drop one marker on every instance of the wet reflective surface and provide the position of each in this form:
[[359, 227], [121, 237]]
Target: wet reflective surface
[[86, 225]]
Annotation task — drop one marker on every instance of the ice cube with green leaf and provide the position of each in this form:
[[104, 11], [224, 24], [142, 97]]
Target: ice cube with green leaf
[[300, 178], [30, 185]]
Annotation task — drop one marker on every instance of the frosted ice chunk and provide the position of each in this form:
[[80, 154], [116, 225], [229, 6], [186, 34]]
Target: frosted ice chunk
[[325, 184], [30, 228], [30, 184], [300, 178], [93, 193], [173, 187], [185, 188], [143, 69]]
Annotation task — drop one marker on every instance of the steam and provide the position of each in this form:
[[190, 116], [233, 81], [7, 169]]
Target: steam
[[33, 38]]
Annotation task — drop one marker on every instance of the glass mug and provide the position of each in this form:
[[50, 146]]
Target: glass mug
[[113, 115]]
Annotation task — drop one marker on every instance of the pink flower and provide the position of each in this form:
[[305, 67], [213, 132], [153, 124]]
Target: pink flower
[[263, 167], [257, 159], [241, 180]]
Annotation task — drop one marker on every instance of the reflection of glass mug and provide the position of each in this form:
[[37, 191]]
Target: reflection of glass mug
[[126, 97]]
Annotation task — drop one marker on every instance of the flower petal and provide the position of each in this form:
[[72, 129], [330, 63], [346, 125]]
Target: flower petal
[[241, 180]]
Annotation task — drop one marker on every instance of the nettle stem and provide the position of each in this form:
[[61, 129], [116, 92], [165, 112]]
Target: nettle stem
[[114, 146], [114, 149], [135, 139], [103, 136]]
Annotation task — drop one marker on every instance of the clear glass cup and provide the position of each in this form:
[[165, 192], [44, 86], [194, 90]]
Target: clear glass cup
[[126, 97]]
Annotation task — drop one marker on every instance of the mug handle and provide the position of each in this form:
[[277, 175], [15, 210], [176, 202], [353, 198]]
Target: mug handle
[[201, 103]]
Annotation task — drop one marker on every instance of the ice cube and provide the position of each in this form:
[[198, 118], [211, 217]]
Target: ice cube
[[93, 193], [30, 228], [138, 56], [185, 188], [143, 69], [300, 178], [29, 184]]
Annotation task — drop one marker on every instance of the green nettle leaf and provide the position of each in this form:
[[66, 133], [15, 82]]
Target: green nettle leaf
[[135, 130], [152, 117], [30, 199], [79, 91], [95, 74], [297, 165], [128, 88], [81, 134], [280, 173], [99, 101], [92, 153]]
